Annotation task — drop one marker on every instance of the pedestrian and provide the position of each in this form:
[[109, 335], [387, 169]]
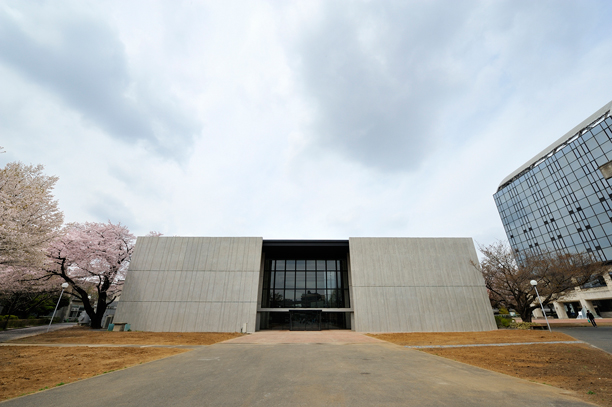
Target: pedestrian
[[591, 318]]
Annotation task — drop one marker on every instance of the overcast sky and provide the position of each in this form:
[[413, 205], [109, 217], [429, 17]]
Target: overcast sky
[[303, 120]]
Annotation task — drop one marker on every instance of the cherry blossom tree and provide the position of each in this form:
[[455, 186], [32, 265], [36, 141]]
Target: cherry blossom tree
[[90, 255], [29, 220], [29, 216]]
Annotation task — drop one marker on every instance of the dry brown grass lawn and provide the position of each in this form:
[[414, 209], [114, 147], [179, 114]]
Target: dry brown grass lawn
[[580, 367], [28, 369], [462, 338], [81, 335]]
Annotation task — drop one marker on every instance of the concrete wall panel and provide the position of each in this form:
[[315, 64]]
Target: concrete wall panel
[[195, 286], [143, 256], [159, 314], [129, 287], [158, 255], [208, 285], [147, 308], [192, 284], [200, 262], [201, 317], [166, 314], [166, 262], [139, 291], [182, 315], [165, 284], [191, 312], [183, 291], [149, 278], [417, 285], [212, 253]]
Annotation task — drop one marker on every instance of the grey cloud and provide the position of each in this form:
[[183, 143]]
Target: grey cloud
[[375, 75], [87, 68], [136, 182], [107, 207], [392, 81]]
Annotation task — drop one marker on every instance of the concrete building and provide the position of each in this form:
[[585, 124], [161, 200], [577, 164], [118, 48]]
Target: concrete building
[[227, 284], [561, 200]]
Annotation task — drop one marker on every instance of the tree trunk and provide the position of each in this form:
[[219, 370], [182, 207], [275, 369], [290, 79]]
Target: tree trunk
[[96, 319], [526, 314], [86, 304], [10, 309]]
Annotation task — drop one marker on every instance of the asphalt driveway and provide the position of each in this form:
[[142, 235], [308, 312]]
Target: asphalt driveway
[[600, 336], [353, 375]]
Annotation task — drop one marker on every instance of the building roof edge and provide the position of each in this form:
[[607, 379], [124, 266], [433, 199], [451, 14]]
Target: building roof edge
[[607, 107]]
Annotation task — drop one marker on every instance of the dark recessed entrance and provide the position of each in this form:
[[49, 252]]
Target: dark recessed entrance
[[305, 278], [301, 320], [305, 320]]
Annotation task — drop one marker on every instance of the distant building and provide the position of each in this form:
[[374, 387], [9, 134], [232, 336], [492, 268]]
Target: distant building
[[199, 284], [561, 200]]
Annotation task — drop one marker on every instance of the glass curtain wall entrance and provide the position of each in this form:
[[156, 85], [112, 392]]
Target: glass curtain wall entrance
[[305, 285], [290, 283]]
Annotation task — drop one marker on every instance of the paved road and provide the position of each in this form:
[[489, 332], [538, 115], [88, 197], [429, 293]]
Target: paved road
[[34, 330], [600, 336], [300, 375]]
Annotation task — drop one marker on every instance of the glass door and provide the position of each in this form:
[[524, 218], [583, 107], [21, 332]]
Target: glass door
[[301, 320]]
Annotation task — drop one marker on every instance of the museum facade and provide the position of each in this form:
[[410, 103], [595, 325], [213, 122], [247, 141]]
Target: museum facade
[[233, 284]]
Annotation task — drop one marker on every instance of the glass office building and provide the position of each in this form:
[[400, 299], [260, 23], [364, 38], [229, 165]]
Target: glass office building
[[562, 199]]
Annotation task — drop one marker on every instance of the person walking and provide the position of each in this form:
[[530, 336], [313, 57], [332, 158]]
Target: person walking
[[591, 318]]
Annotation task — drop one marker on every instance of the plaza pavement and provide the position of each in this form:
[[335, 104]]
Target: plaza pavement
[[337, 369], [341, 336], [600, 337]]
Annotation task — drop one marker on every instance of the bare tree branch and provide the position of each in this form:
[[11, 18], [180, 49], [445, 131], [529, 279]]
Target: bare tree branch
[[508, 278]]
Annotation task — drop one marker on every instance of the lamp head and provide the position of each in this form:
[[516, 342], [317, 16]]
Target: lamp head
[[533, 283], [65, 285]]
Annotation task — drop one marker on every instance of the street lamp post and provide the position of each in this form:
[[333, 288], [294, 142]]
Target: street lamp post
[[534, 284], [64, 286]]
